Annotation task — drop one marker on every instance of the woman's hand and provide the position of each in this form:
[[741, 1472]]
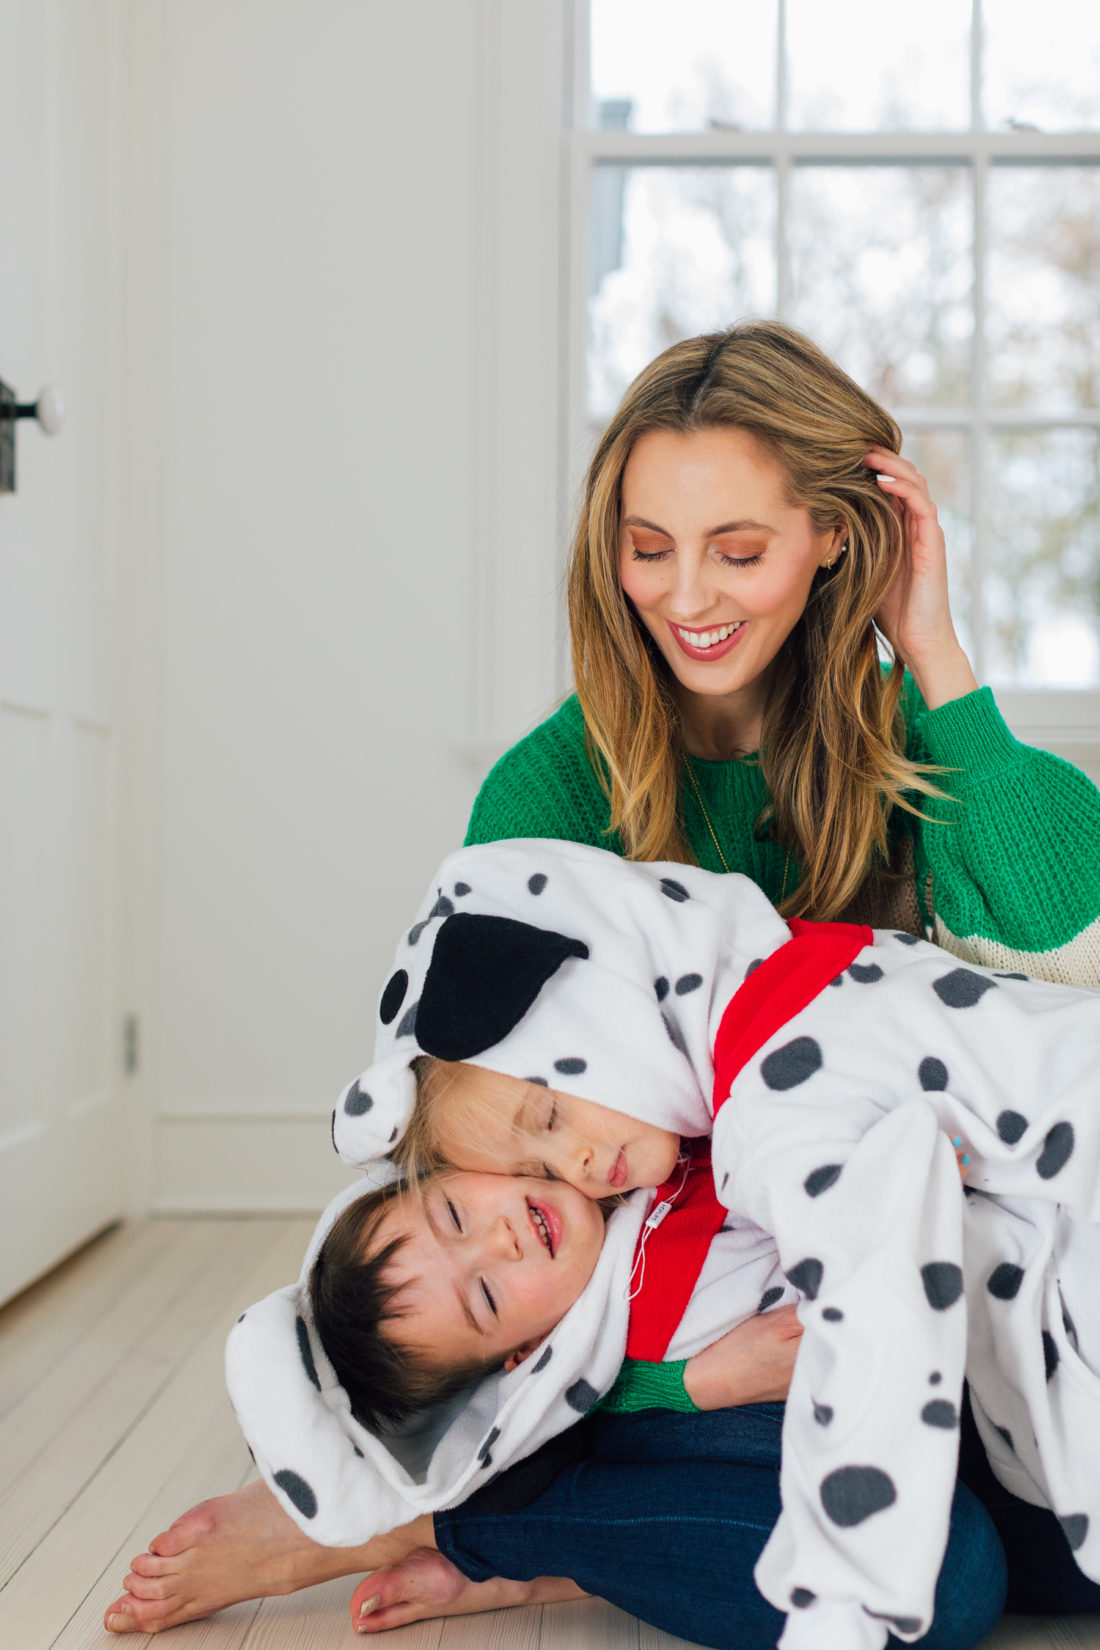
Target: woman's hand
[[915, 616], [753, 1364]]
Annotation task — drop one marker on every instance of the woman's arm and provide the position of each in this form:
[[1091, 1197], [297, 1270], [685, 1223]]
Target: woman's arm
[[752, 1364], [1013, 851]]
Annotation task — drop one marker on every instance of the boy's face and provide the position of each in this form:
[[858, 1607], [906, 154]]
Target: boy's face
[[490, 1122], [489, 1265]]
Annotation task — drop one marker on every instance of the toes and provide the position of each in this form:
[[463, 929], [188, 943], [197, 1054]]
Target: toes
[[398, 1615], [117, 1617], [366, 1598], [195, 1526], [147, 1587], [148, 1564]]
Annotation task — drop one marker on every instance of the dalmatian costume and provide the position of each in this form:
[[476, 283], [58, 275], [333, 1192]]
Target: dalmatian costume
[[681, 997]]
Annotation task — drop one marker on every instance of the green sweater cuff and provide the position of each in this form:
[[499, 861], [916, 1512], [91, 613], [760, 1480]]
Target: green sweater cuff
[[971, 734], [648, 1386]]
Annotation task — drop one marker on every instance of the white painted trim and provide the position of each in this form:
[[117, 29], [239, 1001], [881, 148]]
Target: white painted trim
[[142, 33], [618, 147], [516, 573], [234, 1164]]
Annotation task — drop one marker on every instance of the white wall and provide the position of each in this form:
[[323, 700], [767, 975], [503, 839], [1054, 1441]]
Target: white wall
[[313, 193]]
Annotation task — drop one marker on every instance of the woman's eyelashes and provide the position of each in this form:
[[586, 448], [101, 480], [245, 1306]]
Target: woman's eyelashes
[[722, 555], [489, 1301], [451, 1210]]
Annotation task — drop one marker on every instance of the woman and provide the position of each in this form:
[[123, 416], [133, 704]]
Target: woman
[[747, 525]]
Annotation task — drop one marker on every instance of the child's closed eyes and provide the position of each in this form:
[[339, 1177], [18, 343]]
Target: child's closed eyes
[[487, 1122]]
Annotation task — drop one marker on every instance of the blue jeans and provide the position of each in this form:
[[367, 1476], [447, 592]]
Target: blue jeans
[[666, 1515]]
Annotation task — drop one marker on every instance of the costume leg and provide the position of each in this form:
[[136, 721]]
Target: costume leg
[[1043, 1578], [675, 1541]]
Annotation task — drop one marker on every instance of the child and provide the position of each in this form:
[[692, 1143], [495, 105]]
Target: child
[[839, 1064]]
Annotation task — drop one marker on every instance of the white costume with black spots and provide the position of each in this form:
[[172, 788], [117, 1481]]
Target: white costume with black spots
[[560, 963]]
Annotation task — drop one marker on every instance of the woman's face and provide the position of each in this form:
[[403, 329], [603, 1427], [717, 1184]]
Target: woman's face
[[716, 562]]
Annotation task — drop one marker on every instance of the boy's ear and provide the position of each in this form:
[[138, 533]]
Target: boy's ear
[[484, 975], [520, 1355]]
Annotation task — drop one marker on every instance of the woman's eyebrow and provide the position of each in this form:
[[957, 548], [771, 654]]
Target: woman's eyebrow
[[744, 526]]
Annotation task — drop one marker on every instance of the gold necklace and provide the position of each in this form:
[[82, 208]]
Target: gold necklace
[[713, 837]]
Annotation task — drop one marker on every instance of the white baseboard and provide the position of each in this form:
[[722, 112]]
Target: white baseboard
[[245, 1165]]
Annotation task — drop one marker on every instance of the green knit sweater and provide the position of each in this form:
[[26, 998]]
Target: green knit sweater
[[1007, 871]]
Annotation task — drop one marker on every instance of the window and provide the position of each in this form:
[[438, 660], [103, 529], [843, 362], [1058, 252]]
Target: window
[[918, 187]]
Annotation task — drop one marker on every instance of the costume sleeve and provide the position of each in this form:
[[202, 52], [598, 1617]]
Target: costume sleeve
[[1013, 850], [866, 1208]]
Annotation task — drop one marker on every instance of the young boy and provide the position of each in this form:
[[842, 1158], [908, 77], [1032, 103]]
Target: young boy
[[601, 1000]]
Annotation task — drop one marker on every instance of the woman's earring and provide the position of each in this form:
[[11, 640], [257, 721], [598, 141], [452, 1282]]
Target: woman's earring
[[829, 565]]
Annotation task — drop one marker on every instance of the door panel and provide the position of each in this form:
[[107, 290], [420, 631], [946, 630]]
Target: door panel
[[62, 1144]]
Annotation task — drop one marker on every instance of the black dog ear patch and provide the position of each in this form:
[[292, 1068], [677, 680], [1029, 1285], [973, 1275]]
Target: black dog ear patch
[[484, 975]]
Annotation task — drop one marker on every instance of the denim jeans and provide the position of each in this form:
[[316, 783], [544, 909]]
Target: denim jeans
[[666, 1514]]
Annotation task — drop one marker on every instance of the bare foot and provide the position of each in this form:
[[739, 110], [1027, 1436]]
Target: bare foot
[[237, 1547], [426, 1584]]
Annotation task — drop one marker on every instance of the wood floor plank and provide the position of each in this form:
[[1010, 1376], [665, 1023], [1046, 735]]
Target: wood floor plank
[[44, 1323], [516, 1629], [586, 1623], [153, 1347], [53, 1581], [108, 1358], [317, 1619]]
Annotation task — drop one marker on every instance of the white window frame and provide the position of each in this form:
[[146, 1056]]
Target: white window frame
[[1063, 719]]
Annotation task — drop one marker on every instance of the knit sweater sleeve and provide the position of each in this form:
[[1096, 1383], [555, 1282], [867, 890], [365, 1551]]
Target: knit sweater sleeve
[[1013, 850], [545, 786]]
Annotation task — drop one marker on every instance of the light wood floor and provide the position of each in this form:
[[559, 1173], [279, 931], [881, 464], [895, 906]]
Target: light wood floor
[[113, 1419]]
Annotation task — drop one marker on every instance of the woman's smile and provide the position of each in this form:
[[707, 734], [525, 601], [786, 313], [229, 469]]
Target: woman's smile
[[710, 644]]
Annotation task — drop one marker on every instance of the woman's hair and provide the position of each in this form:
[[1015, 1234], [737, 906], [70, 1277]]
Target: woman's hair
[[357, 1310], [832, 747]]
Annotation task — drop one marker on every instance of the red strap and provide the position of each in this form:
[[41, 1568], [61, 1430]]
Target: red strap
[[783, 985], [670, 1257]]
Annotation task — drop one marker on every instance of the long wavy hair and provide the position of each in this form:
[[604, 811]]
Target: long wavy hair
[[832, 743]]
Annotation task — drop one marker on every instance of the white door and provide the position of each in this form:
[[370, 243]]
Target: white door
[[62, 1153]]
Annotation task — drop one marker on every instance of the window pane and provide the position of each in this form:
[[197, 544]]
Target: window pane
[[1041, 67], [943, 458], [676, 250], [860, 66], [1044, 286], [881, 276], [1043, 583], [682, 68]]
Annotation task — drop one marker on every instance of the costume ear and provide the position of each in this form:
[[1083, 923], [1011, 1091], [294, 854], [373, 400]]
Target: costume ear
[[484, 975]]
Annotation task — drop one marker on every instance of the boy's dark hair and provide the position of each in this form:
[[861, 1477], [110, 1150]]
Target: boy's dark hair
[[355, 1309]]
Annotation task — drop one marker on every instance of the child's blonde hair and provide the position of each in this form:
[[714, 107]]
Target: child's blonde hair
[[418, 1153]]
